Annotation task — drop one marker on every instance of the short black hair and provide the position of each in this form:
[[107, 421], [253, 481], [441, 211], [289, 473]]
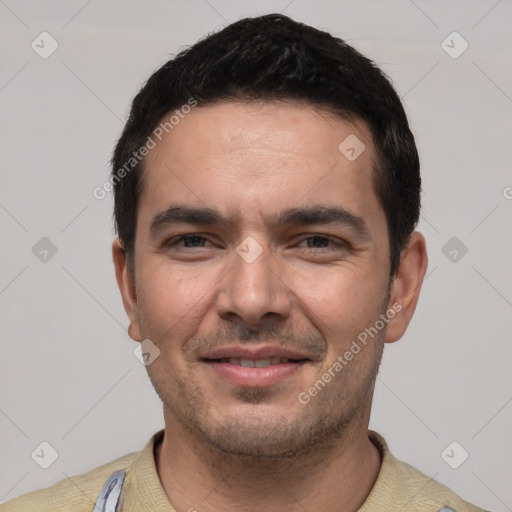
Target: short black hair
[[270, 58]]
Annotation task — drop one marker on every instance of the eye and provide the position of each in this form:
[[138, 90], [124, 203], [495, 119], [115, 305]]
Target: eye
[[317, 242], [188, 242]]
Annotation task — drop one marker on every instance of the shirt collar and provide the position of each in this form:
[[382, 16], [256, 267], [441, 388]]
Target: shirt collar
[[143, 489]]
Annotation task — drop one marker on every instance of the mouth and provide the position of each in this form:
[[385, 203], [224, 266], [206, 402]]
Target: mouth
[[261, 367], [256, 363]]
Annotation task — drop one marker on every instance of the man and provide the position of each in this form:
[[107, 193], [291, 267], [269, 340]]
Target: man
[[267, 189]]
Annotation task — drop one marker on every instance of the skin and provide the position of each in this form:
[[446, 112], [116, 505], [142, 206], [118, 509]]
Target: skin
[[225, 445]]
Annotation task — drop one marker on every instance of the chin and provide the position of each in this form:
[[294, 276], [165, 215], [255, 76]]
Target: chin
[[263, 435]]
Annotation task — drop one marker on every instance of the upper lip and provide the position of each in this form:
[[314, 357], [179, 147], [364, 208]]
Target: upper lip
[[253, 353]]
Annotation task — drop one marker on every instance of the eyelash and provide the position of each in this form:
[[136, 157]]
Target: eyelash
[[182, 238]]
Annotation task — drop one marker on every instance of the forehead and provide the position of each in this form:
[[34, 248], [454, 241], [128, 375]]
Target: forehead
[[256, 157]]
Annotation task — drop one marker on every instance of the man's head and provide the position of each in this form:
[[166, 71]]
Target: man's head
[[270, 224], [270, 58]]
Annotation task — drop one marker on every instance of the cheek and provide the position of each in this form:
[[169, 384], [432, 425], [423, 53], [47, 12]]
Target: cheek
[[339, 294], [341, 304], [173, 301]]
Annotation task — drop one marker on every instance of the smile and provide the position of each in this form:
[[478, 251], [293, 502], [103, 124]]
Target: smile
[[256, 363], [255, 373]]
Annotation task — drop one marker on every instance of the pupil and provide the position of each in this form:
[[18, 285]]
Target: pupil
[[317, 241], [193, 241]]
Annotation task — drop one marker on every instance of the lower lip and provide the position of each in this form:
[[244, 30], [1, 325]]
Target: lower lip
[[255, 377]]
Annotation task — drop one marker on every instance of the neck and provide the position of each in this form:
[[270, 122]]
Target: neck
[[337, 475]]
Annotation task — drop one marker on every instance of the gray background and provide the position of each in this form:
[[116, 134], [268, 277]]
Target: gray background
[[68, 373]]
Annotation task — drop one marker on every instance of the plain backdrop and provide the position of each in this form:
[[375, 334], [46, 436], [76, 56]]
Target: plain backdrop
[[68, 373]]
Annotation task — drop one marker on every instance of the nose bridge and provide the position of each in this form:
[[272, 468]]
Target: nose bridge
[[252, 289]]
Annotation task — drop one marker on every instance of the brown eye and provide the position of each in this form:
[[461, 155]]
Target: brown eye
[[193, 240], [318, 241], [188, 242]]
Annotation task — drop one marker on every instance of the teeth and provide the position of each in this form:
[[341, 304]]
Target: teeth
[[257, 363]]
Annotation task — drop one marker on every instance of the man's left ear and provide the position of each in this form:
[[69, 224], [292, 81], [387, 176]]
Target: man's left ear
[[406, 286]]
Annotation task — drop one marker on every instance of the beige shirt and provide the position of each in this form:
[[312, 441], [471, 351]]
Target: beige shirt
[[399, 487]]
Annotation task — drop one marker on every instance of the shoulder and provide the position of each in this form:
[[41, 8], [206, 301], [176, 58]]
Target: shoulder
[[76, 493], [424, 493], [400, 486]]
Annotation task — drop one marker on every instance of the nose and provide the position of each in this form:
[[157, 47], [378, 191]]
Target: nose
[[253, 293]]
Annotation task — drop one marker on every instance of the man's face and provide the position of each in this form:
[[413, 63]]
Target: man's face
[[274, 249]]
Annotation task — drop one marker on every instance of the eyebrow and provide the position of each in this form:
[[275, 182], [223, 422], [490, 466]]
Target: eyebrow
[[316, 214]]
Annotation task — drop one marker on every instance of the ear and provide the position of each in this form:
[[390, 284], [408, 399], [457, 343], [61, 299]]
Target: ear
[[126, 283], [406, 286]]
